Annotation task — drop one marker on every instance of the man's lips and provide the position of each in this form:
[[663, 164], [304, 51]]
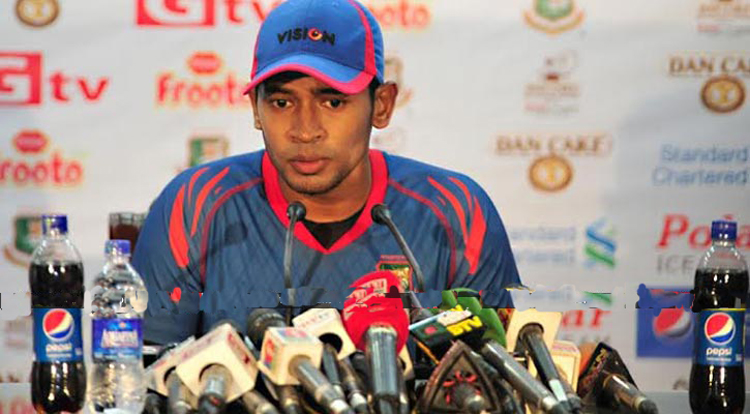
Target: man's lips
[[308, 165]]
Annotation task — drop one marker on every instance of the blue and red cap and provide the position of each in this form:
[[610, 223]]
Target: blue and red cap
[[335, 41]]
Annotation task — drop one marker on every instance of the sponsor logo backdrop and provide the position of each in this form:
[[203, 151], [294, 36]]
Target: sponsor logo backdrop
[[608, 134]]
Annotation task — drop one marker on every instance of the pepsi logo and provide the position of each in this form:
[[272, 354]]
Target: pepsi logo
[[58, 325], [719, 329], [672, 324]]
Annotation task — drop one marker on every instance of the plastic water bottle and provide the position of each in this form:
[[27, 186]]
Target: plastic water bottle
[[117, 381]]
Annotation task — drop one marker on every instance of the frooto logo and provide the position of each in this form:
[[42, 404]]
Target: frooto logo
[[209, 85], [35, 166], [724, 90], [27, 229], [681, 240], [391, 14], [58, 325], [730, 17], [554, 16], [37, 13], [719, 329], [22, 79], [550, 170], [600, 245], [554, 92]]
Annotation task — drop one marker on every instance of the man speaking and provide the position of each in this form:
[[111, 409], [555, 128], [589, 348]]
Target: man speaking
[[213, 242]]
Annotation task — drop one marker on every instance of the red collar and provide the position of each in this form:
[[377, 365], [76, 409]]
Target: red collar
[[279, 204]]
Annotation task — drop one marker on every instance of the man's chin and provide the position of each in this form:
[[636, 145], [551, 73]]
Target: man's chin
[[311, 185]]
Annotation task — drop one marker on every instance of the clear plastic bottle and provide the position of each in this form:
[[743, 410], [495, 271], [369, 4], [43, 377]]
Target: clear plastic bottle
[[117, 382]]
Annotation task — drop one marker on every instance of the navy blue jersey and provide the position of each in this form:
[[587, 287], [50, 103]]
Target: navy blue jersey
[[214, 242]]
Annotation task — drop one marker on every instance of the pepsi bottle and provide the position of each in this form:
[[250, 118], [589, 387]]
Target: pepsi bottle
[[717, 378], [58, 375]]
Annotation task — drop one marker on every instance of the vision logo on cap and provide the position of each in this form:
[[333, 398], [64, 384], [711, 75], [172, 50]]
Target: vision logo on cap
[[58, 325], [304, 33], [719, 329]]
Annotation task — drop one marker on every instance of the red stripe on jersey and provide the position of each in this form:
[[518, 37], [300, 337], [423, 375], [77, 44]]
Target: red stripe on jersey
[[202, 198], [209, 218], [193, 179], [476, 237], [177, 239], [463, 188], [443, 220], [454, 202]]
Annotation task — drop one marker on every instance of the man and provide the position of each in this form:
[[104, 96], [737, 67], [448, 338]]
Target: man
[[213, 242]]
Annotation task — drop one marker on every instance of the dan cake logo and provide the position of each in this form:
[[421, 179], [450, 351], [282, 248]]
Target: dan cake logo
[[600, 245], [551, 169], [723, 90], [37, 13], [34, 166], [554, 92], [554, 16], [27, 233], [58, 325], [207, 85], [731, 17]]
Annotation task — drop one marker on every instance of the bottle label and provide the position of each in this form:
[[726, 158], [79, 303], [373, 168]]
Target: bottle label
[[720, 337], [57, 335], [119, 338]]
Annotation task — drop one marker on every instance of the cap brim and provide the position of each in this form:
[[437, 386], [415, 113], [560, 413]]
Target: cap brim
[[342, 78]]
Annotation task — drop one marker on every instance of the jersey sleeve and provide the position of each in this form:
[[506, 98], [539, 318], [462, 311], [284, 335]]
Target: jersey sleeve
[[172, 281], [485, 260]]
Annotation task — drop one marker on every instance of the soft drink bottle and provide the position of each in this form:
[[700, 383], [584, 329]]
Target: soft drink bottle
[[58, 375], [117, 382], [717, 377]]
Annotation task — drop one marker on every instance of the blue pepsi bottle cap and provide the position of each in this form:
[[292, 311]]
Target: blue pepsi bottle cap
[[120, 247], [54, 222], [724, 230]]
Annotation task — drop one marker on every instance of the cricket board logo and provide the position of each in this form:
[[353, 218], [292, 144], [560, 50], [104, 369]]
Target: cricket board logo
[[22, 78], [37, 13], [731, 17], [553, 92], [205, 147], [551, 168], [27, 233], [34, 166], [554, 16], [207, 85], [723, 89]]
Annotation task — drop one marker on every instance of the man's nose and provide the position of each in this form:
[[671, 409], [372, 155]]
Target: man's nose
[[307, 126]]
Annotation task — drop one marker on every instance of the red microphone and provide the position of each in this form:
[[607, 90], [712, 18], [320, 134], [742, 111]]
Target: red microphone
[[377, 324]]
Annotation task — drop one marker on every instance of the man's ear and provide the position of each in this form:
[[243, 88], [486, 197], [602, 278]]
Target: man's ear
[[384, 104], [253, 100]]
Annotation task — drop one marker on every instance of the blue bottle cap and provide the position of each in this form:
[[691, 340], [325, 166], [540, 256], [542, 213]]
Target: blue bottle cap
[[56, 222], [724, 230], [120, 247]]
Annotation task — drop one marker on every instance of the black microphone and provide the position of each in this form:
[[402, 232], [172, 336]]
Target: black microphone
[[180, 399], [381, 215], [296, 211]]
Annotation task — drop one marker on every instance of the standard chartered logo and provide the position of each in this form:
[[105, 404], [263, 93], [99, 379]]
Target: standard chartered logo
[[600, 245]]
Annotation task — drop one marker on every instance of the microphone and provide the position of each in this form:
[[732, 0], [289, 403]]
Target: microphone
[[606, 382], [330, 367], [290, 356], [382, 215], [218, 367], [533, 331], [354, 390], [295, 211], [158, 372], [326, 325], [459, 385], [378, 325], [470, 300], [180, 399], [257, 404]]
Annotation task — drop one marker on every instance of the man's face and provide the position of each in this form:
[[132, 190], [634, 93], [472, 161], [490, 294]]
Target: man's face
[[314, 135]]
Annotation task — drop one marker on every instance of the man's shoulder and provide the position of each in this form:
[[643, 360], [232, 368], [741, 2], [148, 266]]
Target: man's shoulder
[[410, 175], [228, 171]]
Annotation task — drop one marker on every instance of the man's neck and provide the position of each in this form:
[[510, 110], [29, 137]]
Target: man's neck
[[340, 203]]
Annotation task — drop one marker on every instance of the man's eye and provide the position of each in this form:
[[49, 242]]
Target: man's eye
[[335, 103], [280, 103]]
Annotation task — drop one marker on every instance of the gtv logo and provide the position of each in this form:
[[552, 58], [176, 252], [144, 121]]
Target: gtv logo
[[200, 13]]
